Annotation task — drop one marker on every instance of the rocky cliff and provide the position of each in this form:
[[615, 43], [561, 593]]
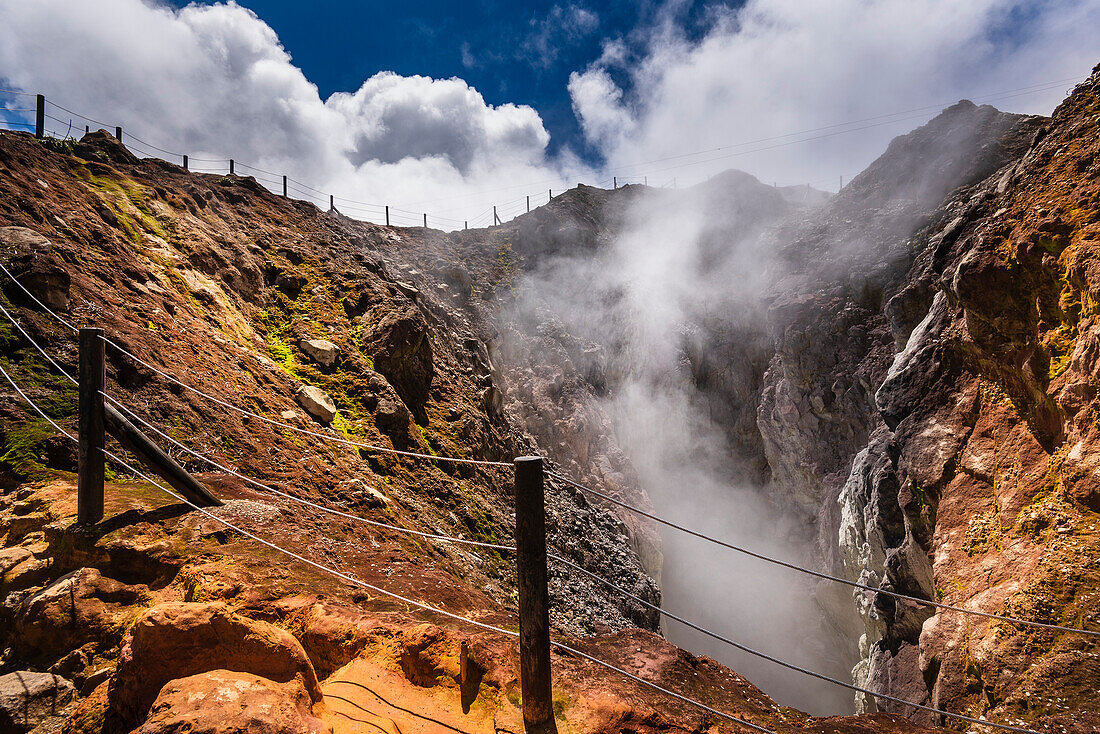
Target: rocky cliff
[[159, 618], [905, 370]]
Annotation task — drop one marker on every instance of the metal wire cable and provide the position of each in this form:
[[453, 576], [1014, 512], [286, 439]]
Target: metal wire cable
[[295, 498], [27, 336], [770, 658], [249, 413], [811, 572], [357, 582], [131, 136], [317, 191], [250, 480], [58, 120], [83, 117], [291, 427], [253, 168], [13, 123], [317, 506], [142, 151], [820, 137], [660, 689], [269, 544], [17, 94]]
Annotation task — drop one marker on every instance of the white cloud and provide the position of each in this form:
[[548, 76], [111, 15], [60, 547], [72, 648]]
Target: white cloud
[[564, 25], [214, 82], [598, 104], [779, 66]]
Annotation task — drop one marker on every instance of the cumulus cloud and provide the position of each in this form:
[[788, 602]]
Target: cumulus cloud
[[215, 82], [392, 117], [778, 66]]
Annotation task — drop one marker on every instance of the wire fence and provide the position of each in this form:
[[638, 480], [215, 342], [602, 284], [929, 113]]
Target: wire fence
[[67, 124], [572, 566], [502, 211], [624, 174]]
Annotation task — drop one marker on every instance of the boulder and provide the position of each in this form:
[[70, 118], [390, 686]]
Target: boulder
[[228, 702], [359, 494], [321, 351], [402, 352], [492, 401], [392, 417], [12, 557], [177, 640], [101, 145], [80, 607], [35, 265], [316, 403], [27, 699]]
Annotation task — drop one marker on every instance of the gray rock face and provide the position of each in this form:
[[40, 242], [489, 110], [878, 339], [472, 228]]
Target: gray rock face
[[35, 266], [321, 351], [316, 403], [28, 699]]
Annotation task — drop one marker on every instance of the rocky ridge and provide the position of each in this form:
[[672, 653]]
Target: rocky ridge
[[913, 382], [334, 326]]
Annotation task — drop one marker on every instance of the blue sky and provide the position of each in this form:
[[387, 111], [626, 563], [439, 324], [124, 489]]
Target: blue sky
[[498, 47]]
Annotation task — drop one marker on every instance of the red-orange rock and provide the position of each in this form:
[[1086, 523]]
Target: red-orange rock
[[226, 702], [177, 640]]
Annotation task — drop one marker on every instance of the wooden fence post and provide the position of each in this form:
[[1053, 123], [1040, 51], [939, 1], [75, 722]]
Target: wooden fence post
[[549, 195], [387, 215], [534, 597], [118, 133], [230, 166], [40, 116], [185, 163], [284, 187], [425, 220], [89, 482], [528, 204]]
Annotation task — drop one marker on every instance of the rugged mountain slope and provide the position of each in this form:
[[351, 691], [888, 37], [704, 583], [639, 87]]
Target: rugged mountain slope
[[991, 446], [235, 291], [913, 381], [159, 617]]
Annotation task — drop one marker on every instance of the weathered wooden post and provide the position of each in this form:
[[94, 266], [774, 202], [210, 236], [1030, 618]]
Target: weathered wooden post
[[465, 224], [528, 204], [614, 182], [89, 478], [387, 215], [496, 219], [284, 187], [118, 133], [185, 163], [230, 166], [425, 220], [331, 202], [87, 129], [40, 116], [534, 597]]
